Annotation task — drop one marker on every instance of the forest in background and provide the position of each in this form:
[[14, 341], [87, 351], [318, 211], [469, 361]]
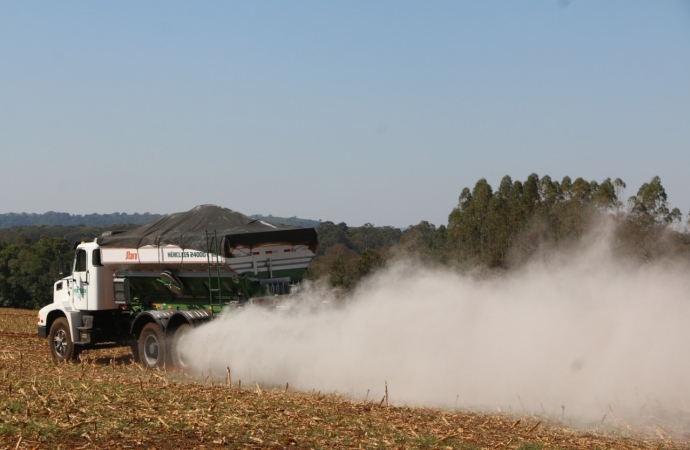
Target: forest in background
[[52, 218], [491, 230], [60, 219]]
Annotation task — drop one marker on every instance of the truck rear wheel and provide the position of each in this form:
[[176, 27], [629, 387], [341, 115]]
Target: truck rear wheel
[[61, 345], [152, 346], [177, 355]]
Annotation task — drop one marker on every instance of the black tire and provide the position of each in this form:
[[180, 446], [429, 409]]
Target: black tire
[[135, 352], [178, 359], [60, 339], [152, 346]]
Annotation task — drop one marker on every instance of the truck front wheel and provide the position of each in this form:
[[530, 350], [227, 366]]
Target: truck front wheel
[[61, 345], [152, 346]]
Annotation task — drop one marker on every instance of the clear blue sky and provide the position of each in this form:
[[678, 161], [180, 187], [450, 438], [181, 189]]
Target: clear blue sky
[[352, 111]]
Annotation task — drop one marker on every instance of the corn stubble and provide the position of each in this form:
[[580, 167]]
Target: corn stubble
[[106, 401]]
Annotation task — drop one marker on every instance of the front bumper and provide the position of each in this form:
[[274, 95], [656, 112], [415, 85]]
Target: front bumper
[[42, 332]]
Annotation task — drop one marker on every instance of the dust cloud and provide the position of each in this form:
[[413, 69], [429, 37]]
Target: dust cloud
[[575, 335]]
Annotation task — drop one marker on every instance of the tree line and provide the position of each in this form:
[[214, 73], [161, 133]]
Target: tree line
[[28, 260], [492, 229], [28, 270], [52, 218], [501, 229]]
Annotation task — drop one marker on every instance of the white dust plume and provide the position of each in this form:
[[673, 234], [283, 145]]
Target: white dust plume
[[577, 334]]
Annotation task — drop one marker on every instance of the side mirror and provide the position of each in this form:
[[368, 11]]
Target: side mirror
[[61, 266]]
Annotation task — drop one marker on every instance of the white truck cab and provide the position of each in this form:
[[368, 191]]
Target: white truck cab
[[88, 289]]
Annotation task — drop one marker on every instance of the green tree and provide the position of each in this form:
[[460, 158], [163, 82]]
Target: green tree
[[29, 269], [605, 195], [675, 216], [565, 188], [418, 240], [650, 205], [339, 263], [502, 221], [330, 234], [530, 195], [369, 261], [549, 192], [459, 226], [468, 225], [619, 186], [369, 237]]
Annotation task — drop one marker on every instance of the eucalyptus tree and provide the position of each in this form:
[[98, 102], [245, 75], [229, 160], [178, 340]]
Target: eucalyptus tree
[[331, 234], [470, 225], [481, 225], [650, 205], [531, 198], [565, 188], [418, 240], [549, 192], [459, 226], [502, 218], [675, 216], [619, 186], [605, 196]]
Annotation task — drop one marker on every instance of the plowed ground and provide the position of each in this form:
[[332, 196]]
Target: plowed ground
[[106, 401]]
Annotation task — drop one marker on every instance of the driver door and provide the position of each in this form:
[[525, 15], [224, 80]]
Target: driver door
[[80, 289]]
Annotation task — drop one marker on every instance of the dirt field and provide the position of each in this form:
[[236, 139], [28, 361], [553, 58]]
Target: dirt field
[[106, 401]]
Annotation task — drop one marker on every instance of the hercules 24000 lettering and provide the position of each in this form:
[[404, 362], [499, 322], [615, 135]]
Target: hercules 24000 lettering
[[146, 287]]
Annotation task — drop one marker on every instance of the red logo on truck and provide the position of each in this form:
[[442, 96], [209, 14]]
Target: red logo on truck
[[131, 255]]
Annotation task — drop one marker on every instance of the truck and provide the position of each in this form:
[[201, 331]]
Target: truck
[[145, 288]]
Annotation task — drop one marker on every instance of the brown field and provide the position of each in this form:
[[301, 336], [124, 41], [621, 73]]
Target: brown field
[[107, 401]]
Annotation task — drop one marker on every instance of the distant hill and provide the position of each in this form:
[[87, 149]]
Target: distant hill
[[52, 218], [77, 227]]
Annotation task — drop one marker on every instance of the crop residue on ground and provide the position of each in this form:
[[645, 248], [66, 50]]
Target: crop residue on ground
[[109, 402]]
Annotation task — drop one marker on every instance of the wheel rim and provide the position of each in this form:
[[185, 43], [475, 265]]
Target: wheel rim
[[151, 350], [60, 343]]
